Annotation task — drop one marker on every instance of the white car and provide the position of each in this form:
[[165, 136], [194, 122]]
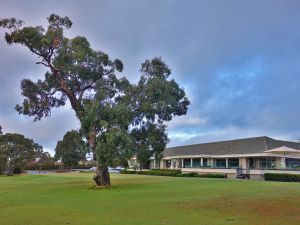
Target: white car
[[120, 168], [110, 169], [93, 168]]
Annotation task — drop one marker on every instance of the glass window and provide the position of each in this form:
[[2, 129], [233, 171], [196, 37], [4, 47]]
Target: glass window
[[196, 162], [179, 163], [233, 162], [267, 163], [221, 163], [186, 163], [251, 163], [292, 163], [205, 162]]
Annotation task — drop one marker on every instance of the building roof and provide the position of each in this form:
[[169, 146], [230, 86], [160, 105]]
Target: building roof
[[240, 146]]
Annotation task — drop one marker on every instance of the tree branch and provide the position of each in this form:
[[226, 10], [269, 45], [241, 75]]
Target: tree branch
[[42, 63]]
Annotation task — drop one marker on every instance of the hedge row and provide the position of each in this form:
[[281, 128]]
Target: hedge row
[[284, 177], [207, 175], [43, 167], [54, 167], [172, 173], [166, 170]]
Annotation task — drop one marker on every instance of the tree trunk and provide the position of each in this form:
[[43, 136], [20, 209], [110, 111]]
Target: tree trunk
[[9, 168], [10, 171], [102, 178]]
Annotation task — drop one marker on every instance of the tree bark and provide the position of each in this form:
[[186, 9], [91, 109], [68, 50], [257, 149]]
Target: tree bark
[[102, 178], [9, 168], [10, 171]]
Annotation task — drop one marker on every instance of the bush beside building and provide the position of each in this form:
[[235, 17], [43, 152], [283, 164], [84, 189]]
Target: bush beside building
[[283, 177]]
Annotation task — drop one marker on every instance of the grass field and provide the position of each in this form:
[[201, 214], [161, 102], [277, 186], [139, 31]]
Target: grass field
[[145, 200]]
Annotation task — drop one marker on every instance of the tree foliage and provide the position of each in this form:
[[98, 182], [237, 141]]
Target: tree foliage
[[74, 68], [71, 149], [41, 157], [129, 118], [16, 151]]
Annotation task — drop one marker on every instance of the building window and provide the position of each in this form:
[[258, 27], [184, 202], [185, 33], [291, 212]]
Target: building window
[[197, 162], [179, 163], [221, 163], [186, 163], [267, 163], [233, 162], [205, 162], [251, 163], [292, 163]]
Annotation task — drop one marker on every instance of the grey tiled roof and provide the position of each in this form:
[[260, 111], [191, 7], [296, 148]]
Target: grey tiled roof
[[239, 146]]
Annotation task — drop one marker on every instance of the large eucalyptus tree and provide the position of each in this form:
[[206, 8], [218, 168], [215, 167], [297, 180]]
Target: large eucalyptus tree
[[117, 118]]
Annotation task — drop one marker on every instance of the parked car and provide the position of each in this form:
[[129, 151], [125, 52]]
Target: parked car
[[120, 168], [110, 169], [92, 169]]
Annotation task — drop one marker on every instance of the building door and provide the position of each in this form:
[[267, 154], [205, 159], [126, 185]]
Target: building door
[[168, 164], [251, 163]]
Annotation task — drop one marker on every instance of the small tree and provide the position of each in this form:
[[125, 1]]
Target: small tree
[[71, 149], [16, 151]]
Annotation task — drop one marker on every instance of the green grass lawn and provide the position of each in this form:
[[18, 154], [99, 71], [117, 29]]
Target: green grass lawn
[[145, 200]]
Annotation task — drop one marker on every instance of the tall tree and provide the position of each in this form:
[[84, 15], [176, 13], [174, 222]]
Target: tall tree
[[16, 150], [71, 149], [74, 69], [87, 78], [129, 118]]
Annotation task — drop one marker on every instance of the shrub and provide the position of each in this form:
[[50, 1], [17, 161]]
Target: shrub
[[213, 175], [216, 175], [282, 177], [153, 172], [54, 167], [206, 175], [43, 167], [160, 172], [172, 173], [17, 170], [167, 170], [128, 172], [82, 167], [187, 175]]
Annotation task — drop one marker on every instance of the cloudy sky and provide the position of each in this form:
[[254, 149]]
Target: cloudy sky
[[239, 62]]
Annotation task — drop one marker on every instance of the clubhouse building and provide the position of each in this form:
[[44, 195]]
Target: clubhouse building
[[243, 158]]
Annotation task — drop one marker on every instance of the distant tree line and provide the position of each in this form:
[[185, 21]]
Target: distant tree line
[[17, 151]]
